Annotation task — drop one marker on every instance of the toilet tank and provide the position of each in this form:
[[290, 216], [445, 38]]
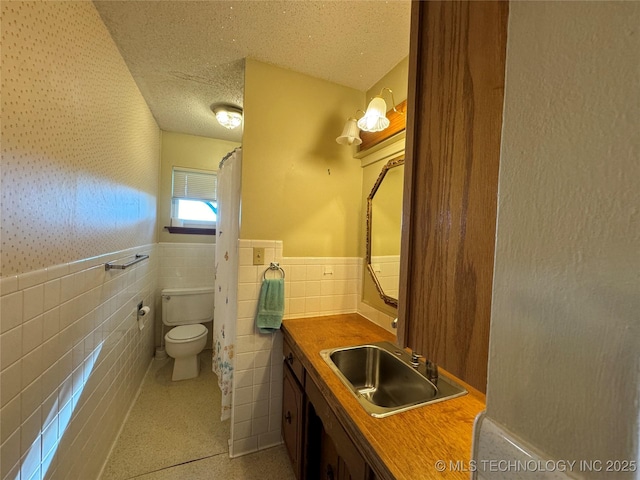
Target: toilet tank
[[187, 306]]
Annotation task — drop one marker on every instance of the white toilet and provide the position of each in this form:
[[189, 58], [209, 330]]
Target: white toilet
[[185, 309]]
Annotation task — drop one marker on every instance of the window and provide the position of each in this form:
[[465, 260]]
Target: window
[[193, 194]]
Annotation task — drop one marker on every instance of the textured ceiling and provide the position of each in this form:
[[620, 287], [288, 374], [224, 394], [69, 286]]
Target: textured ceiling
[[186, 56]]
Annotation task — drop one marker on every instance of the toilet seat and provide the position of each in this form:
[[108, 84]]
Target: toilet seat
[[186, 333]]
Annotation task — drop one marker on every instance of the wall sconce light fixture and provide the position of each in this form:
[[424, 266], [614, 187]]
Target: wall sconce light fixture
[[375, 118], [228, 116], [350, 133]]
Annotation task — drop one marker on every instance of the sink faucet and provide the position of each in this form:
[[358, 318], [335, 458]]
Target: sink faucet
[[432, 372], [431, 369]]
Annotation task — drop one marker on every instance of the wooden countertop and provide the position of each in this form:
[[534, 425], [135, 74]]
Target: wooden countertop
[[403, 446]]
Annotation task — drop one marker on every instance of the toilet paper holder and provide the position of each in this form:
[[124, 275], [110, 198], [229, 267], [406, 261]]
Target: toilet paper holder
[[141, 314]]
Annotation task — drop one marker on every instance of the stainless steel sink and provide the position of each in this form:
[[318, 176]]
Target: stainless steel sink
[[383, 381]]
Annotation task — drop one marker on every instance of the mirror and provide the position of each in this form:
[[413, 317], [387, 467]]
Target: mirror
[[384, 227]]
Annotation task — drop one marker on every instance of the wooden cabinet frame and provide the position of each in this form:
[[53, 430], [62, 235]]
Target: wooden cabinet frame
[[454, 121]]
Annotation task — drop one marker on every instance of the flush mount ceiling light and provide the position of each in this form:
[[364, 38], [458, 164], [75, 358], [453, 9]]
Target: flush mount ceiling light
[[350, 133], [228, 116], [375, 118]]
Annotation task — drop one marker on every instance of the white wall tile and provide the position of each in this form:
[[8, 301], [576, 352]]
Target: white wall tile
[[50, 385], [245, 256], [263, 341], [50, 323], [243, 378], [314, 272], [10, 311], [10, 382], [259, 409], [297, 273], [27, 280], [37, 388], [245, 326], [243, 395], [57, 271], [244, 361], [259, 425], [32, 334], [10, 454], [247, 308], [262, 358], [242, 413], [247, 292], [275, 405], [248, 274], [274, 422], [268, 440], [242, 430], [31, 398], [8, 285], [244, 344], [244, 446], [30, 461], [261, 393], [314, 286], [30, 431], [296, 289], [276, 372], [261, 375], [51, 294], [10, 346], [10, 418], [50, 436], [31, 366]]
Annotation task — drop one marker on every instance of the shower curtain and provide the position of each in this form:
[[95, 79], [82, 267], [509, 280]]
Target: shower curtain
[[226, 274]]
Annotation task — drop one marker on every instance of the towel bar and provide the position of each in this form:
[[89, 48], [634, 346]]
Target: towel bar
[[139, 258], [273, 266]]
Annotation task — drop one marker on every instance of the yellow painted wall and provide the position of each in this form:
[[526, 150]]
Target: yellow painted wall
[[179, 149], [80, 148], [565, 291], [396, 80], [298, 184]]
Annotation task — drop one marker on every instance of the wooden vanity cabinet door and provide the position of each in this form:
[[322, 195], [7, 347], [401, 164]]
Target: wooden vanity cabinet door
[[292, 419], [351, 464], [329, 459]]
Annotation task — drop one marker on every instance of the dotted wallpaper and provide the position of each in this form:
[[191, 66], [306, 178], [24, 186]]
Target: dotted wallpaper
[[80, 148]]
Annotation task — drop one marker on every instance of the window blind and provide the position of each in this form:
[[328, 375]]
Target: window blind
[[192, 184]]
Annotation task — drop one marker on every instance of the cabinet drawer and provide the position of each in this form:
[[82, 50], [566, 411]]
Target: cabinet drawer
[[291, 359]]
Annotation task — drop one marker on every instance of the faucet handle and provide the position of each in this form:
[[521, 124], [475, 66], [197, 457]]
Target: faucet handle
[[415, 359]]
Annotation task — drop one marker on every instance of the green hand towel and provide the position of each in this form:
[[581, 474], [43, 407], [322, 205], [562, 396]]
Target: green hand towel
[[270, 305]]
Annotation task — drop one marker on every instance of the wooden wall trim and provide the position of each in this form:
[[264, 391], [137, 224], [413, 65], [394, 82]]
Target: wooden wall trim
[[413, 93], [456, 73]]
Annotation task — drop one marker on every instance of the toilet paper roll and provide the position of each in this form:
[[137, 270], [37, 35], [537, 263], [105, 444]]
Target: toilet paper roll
[[142, 314]]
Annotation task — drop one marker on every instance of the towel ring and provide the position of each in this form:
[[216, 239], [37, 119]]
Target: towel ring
[[273, 266]]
